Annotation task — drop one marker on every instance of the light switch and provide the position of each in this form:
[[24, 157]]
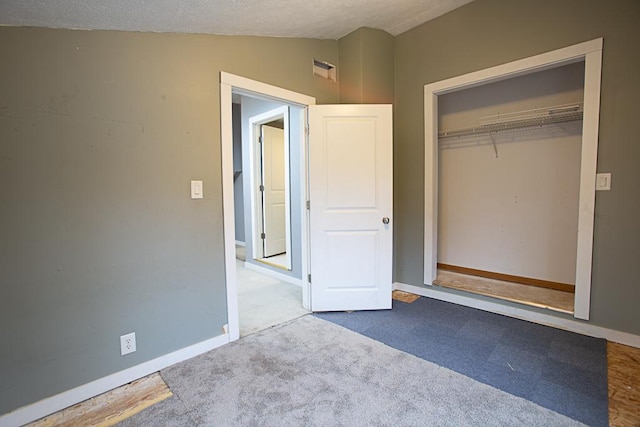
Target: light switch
[[603, 181], [196, 190]]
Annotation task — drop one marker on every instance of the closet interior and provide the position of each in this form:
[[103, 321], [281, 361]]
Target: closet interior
[[509, 155]]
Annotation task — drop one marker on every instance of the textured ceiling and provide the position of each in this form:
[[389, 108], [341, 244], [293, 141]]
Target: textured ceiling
[[325, 19]]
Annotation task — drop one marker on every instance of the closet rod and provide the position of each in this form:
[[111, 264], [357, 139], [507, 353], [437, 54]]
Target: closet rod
[[520, 120]]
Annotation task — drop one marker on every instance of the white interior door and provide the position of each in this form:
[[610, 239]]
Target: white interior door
[[351, 197], [274, 195]]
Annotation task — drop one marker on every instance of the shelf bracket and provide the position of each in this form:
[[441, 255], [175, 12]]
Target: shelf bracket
[[495, 148]]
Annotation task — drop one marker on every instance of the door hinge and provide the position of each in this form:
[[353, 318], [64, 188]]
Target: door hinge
[[306, 130], [308, 204], [262, 188], [259, 140], [263, 236], [309, 278]]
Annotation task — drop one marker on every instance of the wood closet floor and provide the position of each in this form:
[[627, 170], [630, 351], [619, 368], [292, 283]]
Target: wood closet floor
[[524, 294]]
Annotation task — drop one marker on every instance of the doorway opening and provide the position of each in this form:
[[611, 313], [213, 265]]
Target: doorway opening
[[269, 274], [586, 58], [257, 105]]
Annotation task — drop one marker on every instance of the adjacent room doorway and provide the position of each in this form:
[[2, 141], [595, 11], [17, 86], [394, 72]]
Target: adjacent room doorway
[[346, 237]]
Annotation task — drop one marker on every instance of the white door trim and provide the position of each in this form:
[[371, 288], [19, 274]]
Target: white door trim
[[591, 53], [229, 82]]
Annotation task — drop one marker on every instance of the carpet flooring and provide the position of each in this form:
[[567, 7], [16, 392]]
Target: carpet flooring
[[559, 370], [310, 372]]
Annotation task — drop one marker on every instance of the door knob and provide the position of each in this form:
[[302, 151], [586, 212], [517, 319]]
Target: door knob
[[385, 220]]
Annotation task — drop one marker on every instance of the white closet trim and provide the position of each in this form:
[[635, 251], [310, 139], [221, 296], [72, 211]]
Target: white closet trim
[[591, 53]]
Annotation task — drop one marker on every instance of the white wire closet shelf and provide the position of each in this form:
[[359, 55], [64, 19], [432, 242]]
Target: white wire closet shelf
[[520, 120]]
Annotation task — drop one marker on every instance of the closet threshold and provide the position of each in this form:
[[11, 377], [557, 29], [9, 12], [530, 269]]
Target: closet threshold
[[550, 299]]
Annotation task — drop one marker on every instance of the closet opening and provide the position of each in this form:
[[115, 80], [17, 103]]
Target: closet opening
[[508, 187], [510, 162]]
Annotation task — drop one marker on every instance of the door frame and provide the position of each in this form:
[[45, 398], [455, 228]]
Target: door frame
[[257, 174], [230, 83], [591, 53]]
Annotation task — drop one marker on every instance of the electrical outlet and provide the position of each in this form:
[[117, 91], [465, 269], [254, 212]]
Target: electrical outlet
[[127, 343]]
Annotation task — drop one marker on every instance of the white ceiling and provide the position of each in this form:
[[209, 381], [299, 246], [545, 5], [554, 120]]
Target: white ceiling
[[324, 19]]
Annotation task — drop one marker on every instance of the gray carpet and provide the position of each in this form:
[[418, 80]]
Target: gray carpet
[[560, 370], [310, 372]]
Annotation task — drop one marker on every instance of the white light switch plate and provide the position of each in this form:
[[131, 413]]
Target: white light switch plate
[[603, 181], [196, 190]]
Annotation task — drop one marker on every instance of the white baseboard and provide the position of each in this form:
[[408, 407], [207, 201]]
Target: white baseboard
[[272, 273], [579, 327], [53, 404]]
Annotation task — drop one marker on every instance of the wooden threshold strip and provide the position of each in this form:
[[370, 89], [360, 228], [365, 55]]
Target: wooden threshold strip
[[272, 264], [509, 278], [404, 296]]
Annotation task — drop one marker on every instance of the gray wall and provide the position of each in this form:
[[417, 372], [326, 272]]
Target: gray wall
[[100, 134], [238, 173], [366, 67], [252, 107], [485, 33]]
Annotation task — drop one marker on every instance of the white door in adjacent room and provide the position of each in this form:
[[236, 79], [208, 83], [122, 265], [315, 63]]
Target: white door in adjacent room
[[274, 194], [351, 206]]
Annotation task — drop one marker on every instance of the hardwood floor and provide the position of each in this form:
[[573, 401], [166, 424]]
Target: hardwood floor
[[551, 299], [404, 296], [624, 385], [111, 407]]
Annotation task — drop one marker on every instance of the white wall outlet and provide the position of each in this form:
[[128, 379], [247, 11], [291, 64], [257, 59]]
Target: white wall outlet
[[603, 181], [127, 343], [196, 190]]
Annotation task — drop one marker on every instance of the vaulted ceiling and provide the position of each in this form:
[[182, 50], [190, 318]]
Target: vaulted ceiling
[[324, 19]]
